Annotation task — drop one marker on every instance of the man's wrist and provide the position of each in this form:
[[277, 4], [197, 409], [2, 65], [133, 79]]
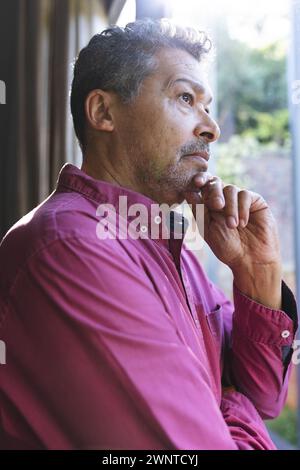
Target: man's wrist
[[261, 283]]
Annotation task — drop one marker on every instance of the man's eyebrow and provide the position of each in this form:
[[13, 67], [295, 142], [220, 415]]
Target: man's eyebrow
[[195, 85]]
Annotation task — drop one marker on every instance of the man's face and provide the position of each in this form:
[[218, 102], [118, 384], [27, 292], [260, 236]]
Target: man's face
[[168, 126]]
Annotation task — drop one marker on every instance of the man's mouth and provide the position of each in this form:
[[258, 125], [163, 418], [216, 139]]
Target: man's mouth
[[203, 154], [200, 158]]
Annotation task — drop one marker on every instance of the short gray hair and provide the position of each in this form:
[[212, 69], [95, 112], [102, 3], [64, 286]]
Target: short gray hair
[[119, 59]]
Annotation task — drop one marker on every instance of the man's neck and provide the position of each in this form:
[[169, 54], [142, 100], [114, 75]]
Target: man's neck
[[100, 173]]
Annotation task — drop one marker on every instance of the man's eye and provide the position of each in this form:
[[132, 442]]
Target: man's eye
[[187, 98]]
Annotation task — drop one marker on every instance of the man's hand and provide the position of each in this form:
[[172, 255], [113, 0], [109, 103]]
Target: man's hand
[[241, 231]]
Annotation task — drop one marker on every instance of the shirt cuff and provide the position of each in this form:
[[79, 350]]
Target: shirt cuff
[[263, 324]]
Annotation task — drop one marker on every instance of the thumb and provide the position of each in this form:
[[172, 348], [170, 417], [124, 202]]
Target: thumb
[[193, 199]]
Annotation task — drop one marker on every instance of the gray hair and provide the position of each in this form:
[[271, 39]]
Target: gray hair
[[119, 59]]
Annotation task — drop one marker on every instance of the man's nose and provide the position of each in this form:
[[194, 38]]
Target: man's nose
[[208, 130]]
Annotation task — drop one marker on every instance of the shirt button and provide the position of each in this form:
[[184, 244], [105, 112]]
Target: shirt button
[[157, 219], [143, 228], [285, 334]]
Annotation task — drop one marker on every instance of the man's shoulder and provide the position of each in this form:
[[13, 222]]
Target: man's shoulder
[[56, 217], [63, 218]]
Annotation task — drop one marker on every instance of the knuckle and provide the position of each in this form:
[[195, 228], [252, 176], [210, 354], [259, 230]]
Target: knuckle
[[230, 188], [244, 195], [215, 181]]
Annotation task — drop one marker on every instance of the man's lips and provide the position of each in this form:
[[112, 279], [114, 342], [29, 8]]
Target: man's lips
[[199, 158], [203, 154]]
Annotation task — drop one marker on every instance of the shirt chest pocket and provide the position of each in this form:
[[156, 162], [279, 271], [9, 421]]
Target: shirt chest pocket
[[214, 319]]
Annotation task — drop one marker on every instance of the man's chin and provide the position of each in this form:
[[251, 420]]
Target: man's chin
[[174, 198]]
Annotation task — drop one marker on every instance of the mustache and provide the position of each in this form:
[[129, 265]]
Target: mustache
[[194, 147]]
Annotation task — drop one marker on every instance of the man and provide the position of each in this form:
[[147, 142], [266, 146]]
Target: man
[[122, 342]]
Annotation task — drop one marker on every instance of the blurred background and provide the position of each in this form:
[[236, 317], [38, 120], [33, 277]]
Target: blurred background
[[255, 75]]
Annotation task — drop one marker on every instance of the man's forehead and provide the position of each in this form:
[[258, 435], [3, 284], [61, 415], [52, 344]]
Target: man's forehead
[[175, 63], [178, 58]]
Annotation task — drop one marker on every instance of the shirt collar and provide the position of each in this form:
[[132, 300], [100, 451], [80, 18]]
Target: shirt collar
[[169, 228]]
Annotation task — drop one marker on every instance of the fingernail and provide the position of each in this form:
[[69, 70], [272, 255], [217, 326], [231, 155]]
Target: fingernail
[[242, 223], [231, 222]]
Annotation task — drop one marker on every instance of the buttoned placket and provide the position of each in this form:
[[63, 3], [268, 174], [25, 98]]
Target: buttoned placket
[[180, 223]]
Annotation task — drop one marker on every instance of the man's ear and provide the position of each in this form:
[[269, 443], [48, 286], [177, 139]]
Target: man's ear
[[98, 110]]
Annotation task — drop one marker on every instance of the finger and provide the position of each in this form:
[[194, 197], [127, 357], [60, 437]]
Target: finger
[[231, 205], [202, 178], [197, 182], [212, 193], [244, 204], [257, 202], [193, 198]]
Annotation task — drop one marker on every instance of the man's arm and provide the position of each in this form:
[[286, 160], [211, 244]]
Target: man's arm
[[258, 347], [104, 363], [240, 229], [244, 422], [262, 340]]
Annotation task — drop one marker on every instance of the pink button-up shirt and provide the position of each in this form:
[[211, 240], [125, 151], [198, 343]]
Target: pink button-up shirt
[[122, 343]]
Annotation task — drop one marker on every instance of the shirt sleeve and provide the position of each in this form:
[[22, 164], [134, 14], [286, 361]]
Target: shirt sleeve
[[259, 348], [97, 361], [244, 422]]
